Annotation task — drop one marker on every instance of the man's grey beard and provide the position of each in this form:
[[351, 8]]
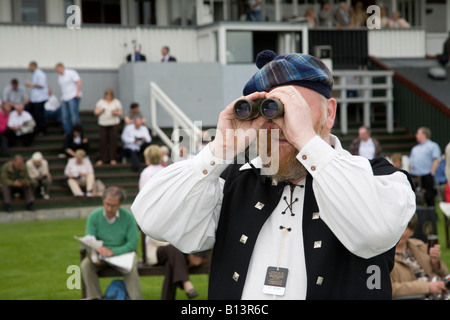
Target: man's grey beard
[[289, 167]]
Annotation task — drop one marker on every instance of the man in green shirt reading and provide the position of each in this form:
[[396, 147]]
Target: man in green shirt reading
[[116, 227]]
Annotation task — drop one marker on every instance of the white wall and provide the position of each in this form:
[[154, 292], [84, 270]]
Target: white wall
[[90, 47], [435, 43], [397, 43]]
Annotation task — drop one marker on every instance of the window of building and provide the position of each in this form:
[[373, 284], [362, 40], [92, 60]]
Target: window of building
[[33, 10], [96, 11], [145, 11]]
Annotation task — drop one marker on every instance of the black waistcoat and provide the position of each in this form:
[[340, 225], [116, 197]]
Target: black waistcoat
[[332, 271]]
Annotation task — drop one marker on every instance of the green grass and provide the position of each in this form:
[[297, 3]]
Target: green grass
[[35, 255]]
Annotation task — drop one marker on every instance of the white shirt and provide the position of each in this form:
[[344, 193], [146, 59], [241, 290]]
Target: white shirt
[[147, 173], [130, 133], [367, 149], [75, 169], [367, 213], [113, 219], [16, 120], [106, 118], [52, 104], [39, 94], [68, 81]]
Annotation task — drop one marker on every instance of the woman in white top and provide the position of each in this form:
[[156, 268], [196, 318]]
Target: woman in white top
[[109, 111], [80, 173]]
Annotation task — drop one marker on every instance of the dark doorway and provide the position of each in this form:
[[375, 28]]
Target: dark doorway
[[263, 40], [96, 11], [145, 11]]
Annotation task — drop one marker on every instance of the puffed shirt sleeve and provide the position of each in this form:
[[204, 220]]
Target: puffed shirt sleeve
[[182, 203], [368, 213]]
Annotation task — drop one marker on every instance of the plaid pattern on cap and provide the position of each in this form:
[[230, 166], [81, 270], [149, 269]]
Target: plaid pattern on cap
[[296, 69]]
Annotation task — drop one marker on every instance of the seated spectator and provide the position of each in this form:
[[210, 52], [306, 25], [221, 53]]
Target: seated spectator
[[4, 117], [74, 141], [397, 21], [342, 15], [415, 268], [14, 94], [397, 160], [326, 15], [80, 173], [15, 180], [358, 17], [176, 270], [39, 174], [153, 159], [20, 127], [136, 138], [365, 145], [165, 156], [116, 227], [109, 111], [133, 113], [311, 18], [52, 108], [384, 20], [162, 253]]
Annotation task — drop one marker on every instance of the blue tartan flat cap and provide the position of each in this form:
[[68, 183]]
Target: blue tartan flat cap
[[290, 69]]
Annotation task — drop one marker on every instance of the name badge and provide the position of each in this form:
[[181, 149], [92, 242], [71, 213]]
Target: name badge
[[276, 279]]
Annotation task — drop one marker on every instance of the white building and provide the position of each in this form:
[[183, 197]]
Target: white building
[[215, 47], [113, 26]]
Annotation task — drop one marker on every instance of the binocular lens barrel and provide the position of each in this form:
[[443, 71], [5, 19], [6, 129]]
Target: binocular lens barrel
[[246, 109], [249, 109], [271, 109]]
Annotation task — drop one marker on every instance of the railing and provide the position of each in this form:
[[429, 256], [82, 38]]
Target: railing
[[351, 46], [181, 123], [397, 43], [363, 83]]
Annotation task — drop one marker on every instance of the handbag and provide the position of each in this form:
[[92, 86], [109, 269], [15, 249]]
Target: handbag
[[27, 127]]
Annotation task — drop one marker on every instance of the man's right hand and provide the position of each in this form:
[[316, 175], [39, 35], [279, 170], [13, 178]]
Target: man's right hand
[[17, 183], [230, 130], [437, 287]]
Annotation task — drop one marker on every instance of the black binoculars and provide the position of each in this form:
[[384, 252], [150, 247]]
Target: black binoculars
[[249, 109]]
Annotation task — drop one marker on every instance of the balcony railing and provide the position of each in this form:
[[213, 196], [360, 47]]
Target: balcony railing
[[362, 85], [106, 47]]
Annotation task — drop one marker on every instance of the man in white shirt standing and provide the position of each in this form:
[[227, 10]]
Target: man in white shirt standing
[[322, 226], [136, 138], [38, 96], [70, 83], [365, 145]]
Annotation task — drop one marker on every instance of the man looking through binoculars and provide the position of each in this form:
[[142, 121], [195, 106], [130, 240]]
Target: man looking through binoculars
[[324, 226]]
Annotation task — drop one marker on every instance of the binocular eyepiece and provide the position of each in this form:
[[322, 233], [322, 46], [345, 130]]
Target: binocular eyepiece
[[249, 109]]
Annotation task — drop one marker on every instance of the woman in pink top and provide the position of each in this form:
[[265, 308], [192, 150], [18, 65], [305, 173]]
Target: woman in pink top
[[4, 116]]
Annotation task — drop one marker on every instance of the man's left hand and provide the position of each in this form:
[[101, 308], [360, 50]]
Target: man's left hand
[[103, 251]]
